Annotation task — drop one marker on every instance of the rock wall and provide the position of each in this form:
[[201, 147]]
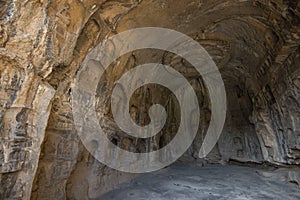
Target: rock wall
[[39, 41], [255, 44], [25, 108], [276, 114]]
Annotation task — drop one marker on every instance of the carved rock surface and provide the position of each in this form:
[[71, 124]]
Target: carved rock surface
[[255, 44]]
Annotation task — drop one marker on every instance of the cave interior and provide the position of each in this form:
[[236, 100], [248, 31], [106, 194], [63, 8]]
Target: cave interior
[[254, 43]]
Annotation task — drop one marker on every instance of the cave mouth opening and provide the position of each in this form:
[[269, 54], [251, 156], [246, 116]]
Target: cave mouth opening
[[241, 158], [246, 150], [262, 88]]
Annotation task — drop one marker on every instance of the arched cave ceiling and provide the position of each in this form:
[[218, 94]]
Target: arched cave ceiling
[[245, 34]]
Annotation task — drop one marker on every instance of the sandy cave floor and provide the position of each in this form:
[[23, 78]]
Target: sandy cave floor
[[211, 182]]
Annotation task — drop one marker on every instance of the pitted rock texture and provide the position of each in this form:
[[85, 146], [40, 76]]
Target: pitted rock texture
[[255, 44]]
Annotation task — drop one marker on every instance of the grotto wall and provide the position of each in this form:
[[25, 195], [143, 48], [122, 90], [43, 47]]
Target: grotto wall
[[276, 113], [38, 41], [255, 44]]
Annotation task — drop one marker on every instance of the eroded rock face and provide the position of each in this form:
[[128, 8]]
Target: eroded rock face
[[255, 44]]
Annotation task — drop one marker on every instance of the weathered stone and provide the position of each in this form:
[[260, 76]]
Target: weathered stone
[[255, 44]]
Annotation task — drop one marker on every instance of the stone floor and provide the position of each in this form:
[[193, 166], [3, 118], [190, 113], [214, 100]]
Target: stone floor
[[209, 183]]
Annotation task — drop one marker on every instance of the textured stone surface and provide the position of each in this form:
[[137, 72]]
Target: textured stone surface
[[255, 44], [210, 182]]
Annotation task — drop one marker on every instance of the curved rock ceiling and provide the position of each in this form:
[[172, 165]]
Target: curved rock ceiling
[[255, 44]]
